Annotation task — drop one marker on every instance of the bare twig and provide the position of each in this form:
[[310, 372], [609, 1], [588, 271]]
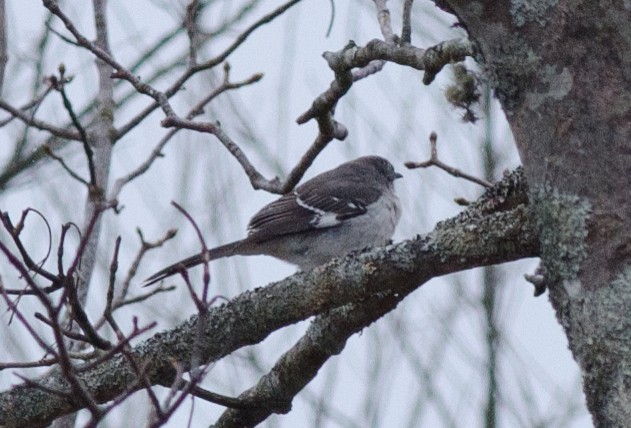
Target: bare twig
[[107, 312], [385, 23], [121, 298], [329, 129], [15, 310], [351, 56], [406, 28], [59, 85], [67, 333], [213, 397], [201, 304], [39, 124], [3, 44], [257, 180], [190, 23], [64, 165], [45, 362], [434, 161], [14, 232], [145, 296], [33, 104], [161, 98], [118, 348], [131, 272], [195, 111]]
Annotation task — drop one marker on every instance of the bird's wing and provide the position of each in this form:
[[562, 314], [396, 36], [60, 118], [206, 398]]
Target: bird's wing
[[312, 206]]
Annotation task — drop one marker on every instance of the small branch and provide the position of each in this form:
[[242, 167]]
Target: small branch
[[406, 28], [145, 296], [213, 397], [13, 307], [201, 304], [118, 348], [121, 299], [243, 37], [59, 85], [257, 180], [4, 57], [46, 362], [33, 104], [434, 161], [131, 272], [351, 56], [194, 112], [67, 333], [44, 126], [329, 129], [108, 311], [14, 232], [64, 165], [190, 23], [385, 23]]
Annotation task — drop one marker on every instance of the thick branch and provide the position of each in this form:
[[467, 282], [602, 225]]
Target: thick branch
[[431, 60], [496, 229]]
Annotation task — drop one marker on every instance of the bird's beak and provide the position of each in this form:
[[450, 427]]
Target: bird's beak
[[397, 175]]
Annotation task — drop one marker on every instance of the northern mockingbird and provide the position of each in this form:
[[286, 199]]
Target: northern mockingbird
[[347, 208]]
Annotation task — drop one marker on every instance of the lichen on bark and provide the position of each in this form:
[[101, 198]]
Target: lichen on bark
[[561, 220]]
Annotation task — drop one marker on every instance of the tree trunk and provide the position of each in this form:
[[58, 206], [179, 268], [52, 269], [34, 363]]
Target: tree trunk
[[562, 72]]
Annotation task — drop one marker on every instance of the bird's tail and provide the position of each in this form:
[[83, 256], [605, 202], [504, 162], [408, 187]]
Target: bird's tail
[[212, 254]]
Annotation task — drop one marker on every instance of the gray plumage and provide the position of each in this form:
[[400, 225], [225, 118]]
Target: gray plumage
[[348, 208]]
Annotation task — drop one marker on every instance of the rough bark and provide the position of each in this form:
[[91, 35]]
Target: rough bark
[[562, 72], [496, 229]]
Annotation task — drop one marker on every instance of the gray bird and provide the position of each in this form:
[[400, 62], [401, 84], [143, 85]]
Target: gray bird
[[348, 208]]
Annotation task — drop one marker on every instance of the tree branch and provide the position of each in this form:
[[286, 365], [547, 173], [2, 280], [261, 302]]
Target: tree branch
[[495, 229]]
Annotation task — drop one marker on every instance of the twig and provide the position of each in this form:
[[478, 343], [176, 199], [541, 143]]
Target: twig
[[121, 299], [4, 58], [119, 347], [145, 296], [201, 304], [15, 232], [157, 151], [59, 85], [406, 28], [107, 312], [34, 103], [64, 165], [434, 161], [385, 23], [45, 362], [432, 60], [14, 309], [222, 400], [190, 23], [39, 124], [257, 180], [68, 333], [329, 129], [328, 30], [131, 272]]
